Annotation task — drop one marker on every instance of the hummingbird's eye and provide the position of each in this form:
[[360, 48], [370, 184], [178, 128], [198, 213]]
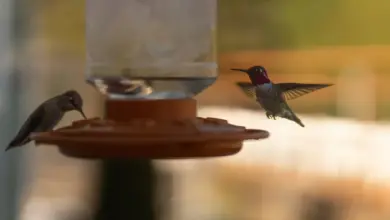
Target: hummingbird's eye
[[71, 100]]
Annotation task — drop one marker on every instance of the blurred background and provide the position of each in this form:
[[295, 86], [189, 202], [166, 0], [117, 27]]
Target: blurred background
[[335, 168]]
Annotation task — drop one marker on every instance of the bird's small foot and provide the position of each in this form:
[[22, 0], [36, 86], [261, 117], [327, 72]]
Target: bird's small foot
[[270, 115]]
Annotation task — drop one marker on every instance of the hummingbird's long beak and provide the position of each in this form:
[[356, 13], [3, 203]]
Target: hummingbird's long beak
[[82, 113], [79, 109], [242, 70]]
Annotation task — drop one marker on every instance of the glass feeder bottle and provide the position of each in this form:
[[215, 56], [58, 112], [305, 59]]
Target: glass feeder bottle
[[151, 49]]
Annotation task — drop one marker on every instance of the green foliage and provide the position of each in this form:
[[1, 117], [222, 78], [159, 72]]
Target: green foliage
[[257, 24], [285, 24]]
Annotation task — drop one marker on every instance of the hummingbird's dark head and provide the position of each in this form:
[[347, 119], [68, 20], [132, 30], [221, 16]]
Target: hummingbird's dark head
[[257, 74], [73, 101]]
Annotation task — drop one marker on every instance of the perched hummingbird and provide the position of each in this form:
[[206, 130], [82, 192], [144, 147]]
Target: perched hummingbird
[[47, 116], [273, 96]]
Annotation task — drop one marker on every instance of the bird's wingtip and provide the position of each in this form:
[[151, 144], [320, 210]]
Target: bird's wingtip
[[325, 85], [244, 83]]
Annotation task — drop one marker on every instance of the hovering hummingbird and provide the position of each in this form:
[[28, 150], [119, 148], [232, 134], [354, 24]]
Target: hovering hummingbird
[[47, 116], [273, 96]]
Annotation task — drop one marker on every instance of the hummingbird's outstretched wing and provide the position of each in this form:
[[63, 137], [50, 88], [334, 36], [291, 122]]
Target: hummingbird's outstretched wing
[[248, 89], [31, 124], [295, 90]]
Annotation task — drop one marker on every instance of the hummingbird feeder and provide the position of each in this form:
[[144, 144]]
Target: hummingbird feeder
[[150, 59]]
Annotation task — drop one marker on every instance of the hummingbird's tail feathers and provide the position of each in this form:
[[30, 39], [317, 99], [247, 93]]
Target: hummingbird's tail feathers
[[290, 115], [298, 121], [248, 88], [294, 90], [9, 147], [17, 143], [295, 119]]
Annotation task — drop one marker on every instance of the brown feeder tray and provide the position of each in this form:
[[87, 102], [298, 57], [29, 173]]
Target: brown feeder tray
[[147, 138], [150, 129]]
